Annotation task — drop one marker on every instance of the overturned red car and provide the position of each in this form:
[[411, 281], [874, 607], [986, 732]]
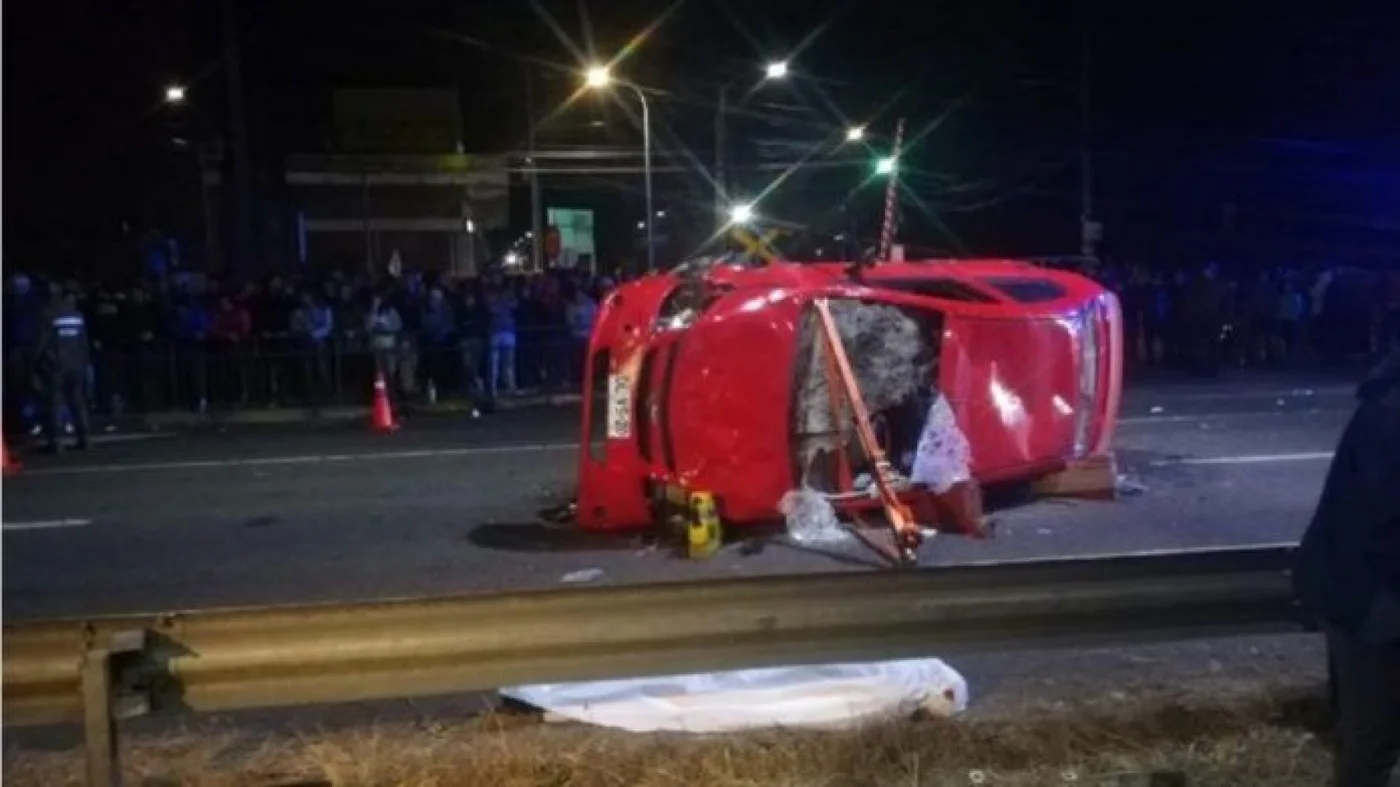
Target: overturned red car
[[703, 377]]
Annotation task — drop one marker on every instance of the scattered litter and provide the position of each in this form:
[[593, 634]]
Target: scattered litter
[[583, 575], [1130, 487], [1157, 410], [830, 696], [943, 458], [811, 520]]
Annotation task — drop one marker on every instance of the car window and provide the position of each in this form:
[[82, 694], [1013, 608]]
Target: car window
[[947, 289], [1025, 290]]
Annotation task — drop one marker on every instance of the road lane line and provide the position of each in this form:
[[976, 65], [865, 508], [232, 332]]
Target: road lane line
[[308, 459], [49, 524], [1272, 392], [1247, 459], [1133, 420]]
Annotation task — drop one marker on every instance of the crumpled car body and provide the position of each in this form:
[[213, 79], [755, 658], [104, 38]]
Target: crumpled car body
[[690, 377]]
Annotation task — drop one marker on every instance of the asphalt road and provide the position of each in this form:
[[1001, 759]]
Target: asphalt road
[[259, 516]]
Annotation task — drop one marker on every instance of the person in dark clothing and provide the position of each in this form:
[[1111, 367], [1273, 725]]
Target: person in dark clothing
[[62, 356], [1348, 580], [1203, 316]]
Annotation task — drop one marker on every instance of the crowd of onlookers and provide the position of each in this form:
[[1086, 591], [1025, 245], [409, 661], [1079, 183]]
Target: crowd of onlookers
[[1205, 317], [193, 342]]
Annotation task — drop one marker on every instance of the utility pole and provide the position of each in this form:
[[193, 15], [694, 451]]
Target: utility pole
[[1090, 231], [887, 227], [241, 166], [536, 199], [721, 187]]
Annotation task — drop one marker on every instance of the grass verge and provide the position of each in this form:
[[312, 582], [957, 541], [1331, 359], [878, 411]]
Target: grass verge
[[1254, 737]]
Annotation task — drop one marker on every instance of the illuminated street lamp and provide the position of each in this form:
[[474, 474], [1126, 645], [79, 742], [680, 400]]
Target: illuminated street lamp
[[597, 77], [886, 165], [175, 94], [855, 133], [600, 78], [741, 213], [773, 71]]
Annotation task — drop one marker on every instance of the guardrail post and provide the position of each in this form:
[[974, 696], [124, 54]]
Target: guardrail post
[[99, 724], [102, 706]]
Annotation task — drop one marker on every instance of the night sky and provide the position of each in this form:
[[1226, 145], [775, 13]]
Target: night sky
[[1297, 93]]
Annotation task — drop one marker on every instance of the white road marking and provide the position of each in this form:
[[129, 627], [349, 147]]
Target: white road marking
[[1106, 556], [1247, 459], [308, 459], [1133, 420], [46, 524], [1300, 392]]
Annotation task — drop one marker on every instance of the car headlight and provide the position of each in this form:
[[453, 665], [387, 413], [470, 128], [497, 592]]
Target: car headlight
[[1089, 323]]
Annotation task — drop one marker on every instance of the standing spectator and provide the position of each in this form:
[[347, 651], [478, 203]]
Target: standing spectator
[[1291, 316], [191, 328], [501, 305], [472, 323], [1203, 309], [229, 332], [1348, 579], [104, 325], [22, 314], [581, 313], [62, 352], [311, 327], [437, 346], [147, 359], [1260, 312], [384, 326]]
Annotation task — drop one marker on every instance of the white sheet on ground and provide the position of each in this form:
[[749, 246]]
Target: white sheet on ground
[[828, 696]]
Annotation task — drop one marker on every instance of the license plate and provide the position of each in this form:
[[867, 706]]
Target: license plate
[[619, 407]]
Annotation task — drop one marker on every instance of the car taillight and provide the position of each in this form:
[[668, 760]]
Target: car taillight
[[1090, 322]]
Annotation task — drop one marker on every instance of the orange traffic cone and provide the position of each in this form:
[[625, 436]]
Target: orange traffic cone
[[11, 466], [382, 414]]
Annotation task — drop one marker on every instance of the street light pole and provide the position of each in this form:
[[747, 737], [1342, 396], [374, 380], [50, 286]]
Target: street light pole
[[599, 78], [775, 70], [646, 168], [721, 188]]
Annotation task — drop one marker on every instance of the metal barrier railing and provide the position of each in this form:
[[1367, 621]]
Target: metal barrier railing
[[96, 671], [284, 371]]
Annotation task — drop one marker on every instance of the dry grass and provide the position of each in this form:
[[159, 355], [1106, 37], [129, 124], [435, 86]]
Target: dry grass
[[1258, 738]]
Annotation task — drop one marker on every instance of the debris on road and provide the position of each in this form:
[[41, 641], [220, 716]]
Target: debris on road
[[811, 519], [582, 575], [1129, 486], [827, 697]]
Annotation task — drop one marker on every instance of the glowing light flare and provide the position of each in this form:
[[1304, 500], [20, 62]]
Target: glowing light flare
[[776, 69], [855, 133], [597, 77], [741, 213], [886, 165], [175, 94]]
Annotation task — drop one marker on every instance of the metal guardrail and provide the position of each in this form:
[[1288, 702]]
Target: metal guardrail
[[94, 671]]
